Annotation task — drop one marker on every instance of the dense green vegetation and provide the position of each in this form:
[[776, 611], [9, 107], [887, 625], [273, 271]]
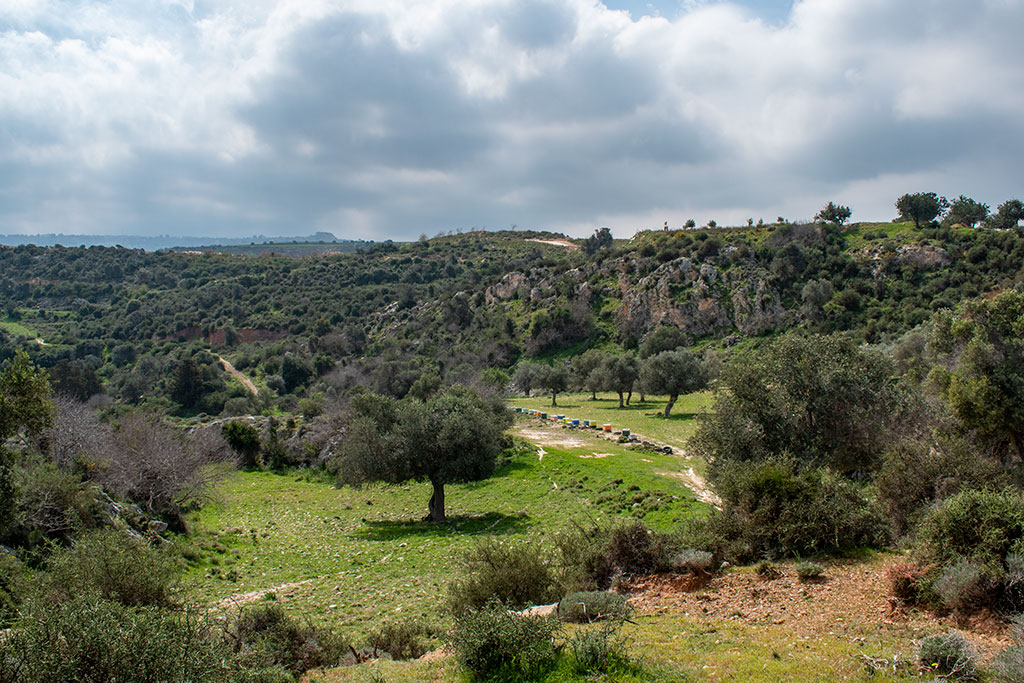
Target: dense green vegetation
[[191, 437], [316, 327]]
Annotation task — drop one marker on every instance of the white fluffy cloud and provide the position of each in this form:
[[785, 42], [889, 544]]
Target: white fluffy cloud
[[388, 118]]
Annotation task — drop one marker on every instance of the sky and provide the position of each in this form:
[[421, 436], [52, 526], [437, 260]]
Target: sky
[[388, 119]]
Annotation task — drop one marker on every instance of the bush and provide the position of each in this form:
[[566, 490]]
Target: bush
[[266, 637], [113, 566], [1013, 582], [1008, 666], [244, 440], [962, 587], [949, 654], [809, 571], [593, 557], [589, 606], [773, 508], [53, 505], [401, 640], [983, 526], [767, 570], [696, 561], [916, 473], [516, 576], [87, 638], [597, 650], [13, 583], [495, 644], [904, 580]]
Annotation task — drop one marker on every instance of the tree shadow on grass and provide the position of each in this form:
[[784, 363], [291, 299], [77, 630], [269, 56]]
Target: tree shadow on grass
[[491, 524]]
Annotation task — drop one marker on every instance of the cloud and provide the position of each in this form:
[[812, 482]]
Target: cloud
[[389, 118]]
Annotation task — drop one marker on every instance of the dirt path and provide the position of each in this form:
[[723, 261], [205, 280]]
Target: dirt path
[[558, 243], [698, 485], [246, 382]]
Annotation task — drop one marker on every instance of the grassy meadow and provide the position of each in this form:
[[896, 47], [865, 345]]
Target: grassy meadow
[[643, 417], [353, 557]]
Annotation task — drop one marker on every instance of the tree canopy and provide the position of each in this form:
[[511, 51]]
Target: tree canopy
[[672, 373], [834, 213], [921, 207], [985, 388], [819, 399], [454, 437]]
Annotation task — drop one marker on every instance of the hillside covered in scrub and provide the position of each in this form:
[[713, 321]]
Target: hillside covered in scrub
[[127, 320]]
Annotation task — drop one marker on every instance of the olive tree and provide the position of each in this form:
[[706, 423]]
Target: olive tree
[[836, 214], [672, 373], [821, 400], [921, 207], [619, 373], [453, 437], [552, 378]]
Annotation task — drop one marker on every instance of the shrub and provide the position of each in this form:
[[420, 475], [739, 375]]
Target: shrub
[[904, 580], [774, 508], [949, 654], [87, 638], [696, 561], [401, 640], [589, 606], [593, 557], [916, 473], [13, 583], [1008, 666], [516, 576], [809, 571], [962, 586], [114, 566], [1013, 581], [983, 526], [597, 650], [495, 644], [767, 570], [53, 505], [266, 637], [244, 440]]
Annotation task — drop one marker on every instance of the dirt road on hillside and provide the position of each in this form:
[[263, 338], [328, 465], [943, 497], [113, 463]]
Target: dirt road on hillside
[[246, 382]]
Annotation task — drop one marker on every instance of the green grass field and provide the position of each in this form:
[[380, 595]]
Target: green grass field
[[16, 328], [352, 557], [644, 418]]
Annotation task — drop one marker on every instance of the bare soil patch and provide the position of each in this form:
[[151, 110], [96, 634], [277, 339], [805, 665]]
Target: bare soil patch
[[853, 598], [550, 437]]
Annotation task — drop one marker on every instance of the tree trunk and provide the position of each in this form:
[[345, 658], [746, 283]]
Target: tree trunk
[[620, 399], [671, 402], [553, 395], [593, 395], [436, 504], [629, 397]]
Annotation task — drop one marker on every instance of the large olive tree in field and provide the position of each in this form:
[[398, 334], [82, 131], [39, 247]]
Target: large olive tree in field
[[672, 373], [454, 437]]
